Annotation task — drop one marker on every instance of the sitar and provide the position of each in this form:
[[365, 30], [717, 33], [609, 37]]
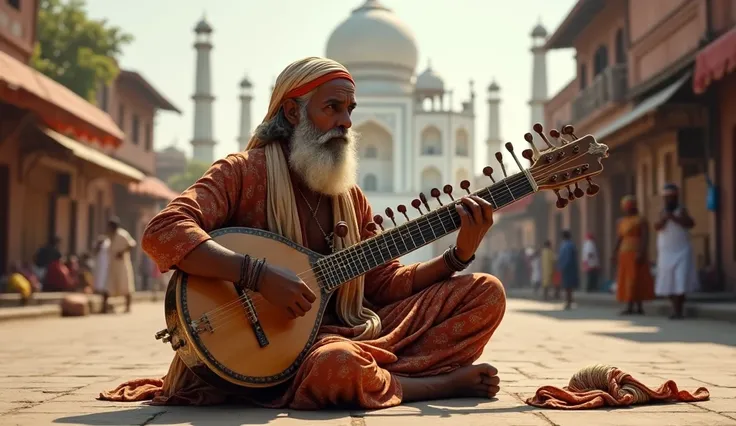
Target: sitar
[[234, 339]]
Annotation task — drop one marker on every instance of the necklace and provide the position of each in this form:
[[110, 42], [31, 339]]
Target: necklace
[[329, 238]]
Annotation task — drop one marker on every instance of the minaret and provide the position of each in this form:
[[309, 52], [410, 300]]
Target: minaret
[[203, 140], [246, 95], [494, 142], [539, 74]]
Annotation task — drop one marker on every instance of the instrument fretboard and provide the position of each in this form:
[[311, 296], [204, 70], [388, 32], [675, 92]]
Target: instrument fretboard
[[352, 262]]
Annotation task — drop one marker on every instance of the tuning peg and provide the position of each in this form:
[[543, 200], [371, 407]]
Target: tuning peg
[[569, 130], [499, 158], [540, 131], [488, 171], [435, 193], [402, 209], [592, 188], [417, 204], [371, 227], [554, 134], [530, 138], [341, 229], [390, 214], [466, 186], [424, 201], [510, 148], [579, 193], [561, 202], [529, 155], [447, 189], [570, 195], [379, 221]]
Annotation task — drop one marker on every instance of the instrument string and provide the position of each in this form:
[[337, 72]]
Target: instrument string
[[224, 311]]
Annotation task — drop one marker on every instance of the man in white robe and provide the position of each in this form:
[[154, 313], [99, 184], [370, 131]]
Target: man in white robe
[[120, 277], [676, 270]]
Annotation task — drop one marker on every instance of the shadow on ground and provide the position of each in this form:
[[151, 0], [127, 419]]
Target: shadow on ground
[[666, 330], [238, 415]]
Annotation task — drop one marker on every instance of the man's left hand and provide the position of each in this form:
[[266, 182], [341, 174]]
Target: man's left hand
[[476, 218]]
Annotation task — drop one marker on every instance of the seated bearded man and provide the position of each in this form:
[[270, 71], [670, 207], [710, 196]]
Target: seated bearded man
[[402, 333]]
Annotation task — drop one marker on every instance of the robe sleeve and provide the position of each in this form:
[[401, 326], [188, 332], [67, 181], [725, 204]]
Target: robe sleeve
[[128, 239], [388, 283], [205, 206]]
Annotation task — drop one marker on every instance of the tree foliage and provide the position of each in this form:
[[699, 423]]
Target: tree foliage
[[76, 51], [194, 171]]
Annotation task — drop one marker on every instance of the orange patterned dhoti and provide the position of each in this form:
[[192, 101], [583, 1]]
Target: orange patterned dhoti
[[436, 331]]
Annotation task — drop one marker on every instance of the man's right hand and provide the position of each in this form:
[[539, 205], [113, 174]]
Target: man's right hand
[[283, 288]]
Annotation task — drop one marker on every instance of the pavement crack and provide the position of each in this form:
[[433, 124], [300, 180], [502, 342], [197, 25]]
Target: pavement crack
[[518, 370], [152, 418], [357, 420], [544, 418]]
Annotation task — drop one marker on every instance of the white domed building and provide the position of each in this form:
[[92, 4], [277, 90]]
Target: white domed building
[[412, 139]]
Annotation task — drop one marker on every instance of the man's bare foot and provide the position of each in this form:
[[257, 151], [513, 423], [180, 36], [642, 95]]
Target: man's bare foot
[[479, 381]]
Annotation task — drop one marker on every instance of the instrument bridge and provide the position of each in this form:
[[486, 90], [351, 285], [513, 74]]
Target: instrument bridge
[[250, 311], [203, 325]]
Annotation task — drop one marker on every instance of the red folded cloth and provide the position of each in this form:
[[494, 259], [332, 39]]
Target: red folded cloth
[[601, 385]]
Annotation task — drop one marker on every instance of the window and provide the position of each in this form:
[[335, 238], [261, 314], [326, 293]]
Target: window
[[462, 145], [148, 135], [583, 77], [370, 183], [121, 117], [600, 60], [136, 130], [15, 4], [371, 152], [620, 47]]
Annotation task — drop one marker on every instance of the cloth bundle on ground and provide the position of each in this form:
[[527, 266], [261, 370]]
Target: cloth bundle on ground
[[75, 305], [602, 385]]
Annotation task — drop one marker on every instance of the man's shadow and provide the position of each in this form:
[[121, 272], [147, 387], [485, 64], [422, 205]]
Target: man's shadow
[[229, 415]]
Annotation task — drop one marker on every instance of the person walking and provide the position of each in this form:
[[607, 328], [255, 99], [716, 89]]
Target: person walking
[[591, 264], [676, 271], [634, 283], [567, 263]]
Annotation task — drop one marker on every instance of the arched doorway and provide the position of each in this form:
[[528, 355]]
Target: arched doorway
[[375, 148]]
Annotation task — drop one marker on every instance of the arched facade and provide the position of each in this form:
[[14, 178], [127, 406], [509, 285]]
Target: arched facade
[[431, 178], [370, 183], [462, 143], [376, 147], [431, 140], [461, 175]]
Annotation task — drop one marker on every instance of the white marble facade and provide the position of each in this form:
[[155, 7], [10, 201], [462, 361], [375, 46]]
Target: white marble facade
[[412, 138]]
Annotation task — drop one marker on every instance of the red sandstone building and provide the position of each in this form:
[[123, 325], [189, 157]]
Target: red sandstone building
[[66, 165], [637, 91]]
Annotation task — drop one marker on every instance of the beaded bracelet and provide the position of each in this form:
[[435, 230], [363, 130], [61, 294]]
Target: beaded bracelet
[[453, 262], [250, 273]]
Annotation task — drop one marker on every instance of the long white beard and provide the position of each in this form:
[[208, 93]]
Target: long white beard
[[326, 167]]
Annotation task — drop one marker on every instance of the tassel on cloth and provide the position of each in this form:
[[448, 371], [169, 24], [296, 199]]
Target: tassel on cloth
[[602, 385]]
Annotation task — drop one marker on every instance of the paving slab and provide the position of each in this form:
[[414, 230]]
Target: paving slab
[[54, 368]]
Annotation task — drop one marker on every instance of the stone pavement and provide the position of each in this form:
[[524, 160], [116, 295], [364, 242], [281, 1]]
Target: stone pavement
[[51, 370]]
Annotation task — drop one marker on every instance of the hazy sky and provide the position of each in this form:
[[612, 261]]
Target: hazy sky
[[465, 39]]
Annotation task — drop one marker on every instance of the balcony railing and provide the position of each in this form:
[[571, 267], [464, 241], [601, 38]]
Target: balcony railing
[[608, 86]]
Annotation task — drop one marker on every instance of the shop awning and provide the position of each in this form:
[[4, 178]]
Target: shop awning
[[95, 157], [58, 107], [643, 108], [152, 187], [715, 61]]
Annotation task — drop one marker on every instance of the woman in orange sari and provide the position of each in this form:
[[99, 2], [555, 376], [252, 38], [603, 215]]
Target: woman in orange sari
[[634, 282]]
